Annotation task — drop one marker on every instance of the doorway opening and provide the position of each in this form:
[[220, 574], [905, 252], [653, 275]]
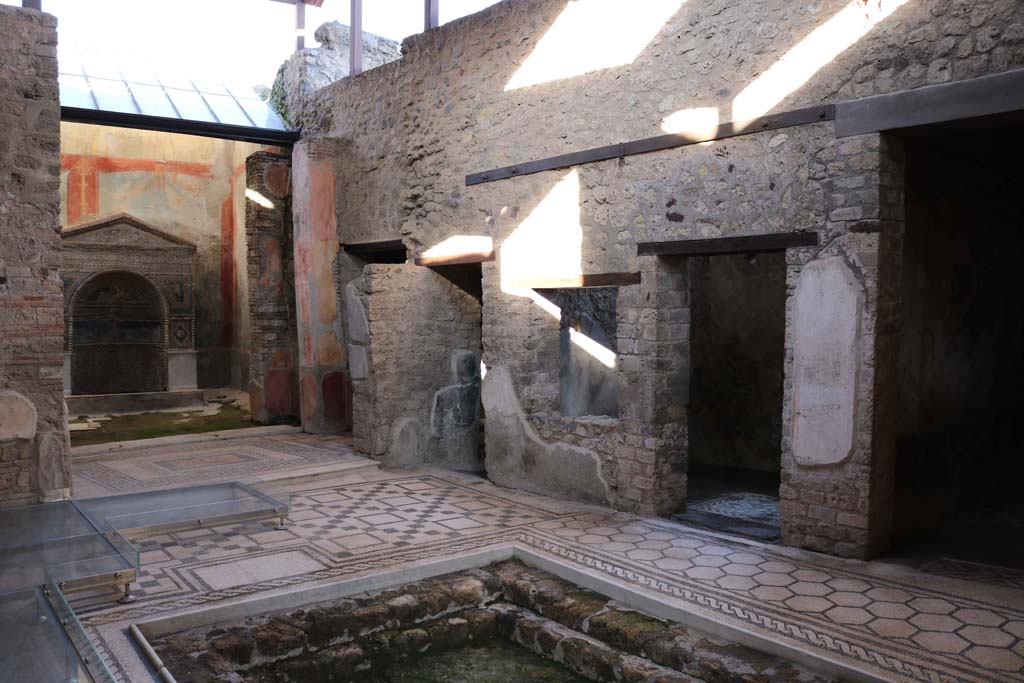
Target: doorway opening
[[737, 349], [958, 466]]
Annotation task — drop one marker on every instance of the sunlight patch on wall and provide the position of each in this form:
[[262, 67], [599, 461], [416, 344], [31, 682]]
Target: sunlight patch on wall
[[549, 242], [699, 123], [260, 199], [590, 35], [461, 245], [807, 57]]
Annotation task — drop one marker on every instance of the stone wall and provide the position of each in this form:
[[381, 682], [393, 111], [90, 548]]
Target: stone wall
[[468, 97], [414, 355], [190, 187], [312, 68], [34, 463], [274, 362]]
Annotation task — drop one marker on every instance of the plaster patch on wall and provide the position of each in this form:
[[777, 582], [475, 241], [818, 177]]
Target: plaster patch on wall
[[517, 457], [17, 417], [826, 351], [355, 316]]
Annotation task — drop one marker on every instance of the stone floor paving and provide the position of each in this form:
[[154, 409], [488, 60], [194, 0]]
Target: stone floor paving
[[891, 623], [138, 467]]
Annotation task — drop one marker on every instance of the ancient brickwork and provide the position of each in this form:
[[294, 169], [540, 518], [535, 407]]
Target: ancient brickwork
[[273, 368], [33, 425], [421, 404], [410, 131]]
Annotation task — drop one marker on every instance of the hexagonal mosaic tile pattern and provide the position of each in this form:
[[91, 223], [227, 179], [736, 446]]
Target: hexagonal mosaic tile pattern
[[900, 629]]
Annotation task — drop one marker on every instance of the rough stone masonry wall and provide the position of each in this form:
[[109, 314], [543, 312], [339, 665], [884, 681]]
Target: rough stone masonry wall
[[421, 404], [34, 462], [408, 133]]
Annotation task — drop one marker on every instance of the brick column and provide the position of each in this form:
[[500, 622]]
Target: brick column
[[34, 463], [840, 320], [654, 348], [273, 363]]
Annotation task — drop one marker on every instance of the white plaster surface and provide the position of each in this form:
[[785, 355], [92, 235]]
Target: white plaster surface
[[826, 321], [17, 417], [181, 370]]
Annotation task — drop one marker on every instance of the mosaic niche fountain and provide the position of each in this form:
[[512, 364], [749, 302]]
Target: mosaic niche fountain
[[498, 624]]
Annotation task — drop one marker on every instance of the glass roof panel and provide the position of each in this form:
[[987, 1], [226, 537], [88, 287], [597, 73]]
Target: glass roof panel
[[75, 92], [190, 105], [153, 100], [262, 115], [113, 95], [227, 109]]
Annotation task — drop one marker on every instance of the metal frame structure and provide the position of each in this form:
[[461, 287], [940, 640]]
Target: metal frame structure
[[431, 19]]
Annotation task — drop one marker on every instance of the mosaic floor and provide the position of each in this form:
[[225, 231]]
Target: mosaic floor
[[753, 506], [890, 622], [205, 461]]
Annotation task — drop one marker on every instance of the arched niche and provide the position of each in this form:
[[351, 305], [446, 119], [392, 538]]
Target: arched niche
[[117, 327]]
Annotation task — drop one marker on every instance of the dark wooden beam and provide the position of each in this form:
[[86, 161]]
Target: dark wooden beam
[[798, 117], [957, 101], [579, 281], [740, 244], [453, 259]]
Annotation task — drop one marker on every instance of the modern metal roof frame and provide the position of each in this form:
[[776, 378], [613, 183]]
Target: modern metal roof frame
[[262, 136]]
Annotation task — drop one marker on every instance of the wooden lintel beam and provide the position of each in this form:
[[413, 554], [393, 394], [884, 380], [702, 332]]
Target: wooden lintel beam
[[453, 259], [740, 244], [786, 119], [580, 281]]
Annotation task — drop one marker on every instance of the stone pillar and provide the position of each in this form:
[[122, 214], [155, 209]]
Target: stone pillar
[[325, 389], [273, 356], [836, 467], [654, 347], [34, 463]]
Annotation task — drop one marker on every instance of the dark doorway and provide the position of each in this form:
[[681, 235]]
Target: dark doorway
[[737, 347], [959, 470], [118, 336]]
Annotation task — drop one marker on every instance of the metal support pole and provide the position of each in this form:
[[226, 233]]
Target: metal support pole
[[300, 25], [32, 4], [355, 42], [127, 598], [431, 14]]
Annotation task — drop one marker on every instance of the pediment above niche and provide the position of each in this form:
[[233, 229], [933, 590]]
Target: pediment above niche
[[124, 231]]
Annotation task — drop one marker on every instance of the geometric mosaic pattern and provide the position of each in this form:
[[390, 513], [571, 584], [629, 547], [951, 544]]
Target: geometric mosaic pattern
[[753, 506], [900, 628], [973, 571], [206, 461]]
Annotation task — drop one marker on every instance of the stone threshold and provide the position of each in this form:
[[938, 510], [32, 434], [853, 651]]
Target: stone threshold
[[656, 605]]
